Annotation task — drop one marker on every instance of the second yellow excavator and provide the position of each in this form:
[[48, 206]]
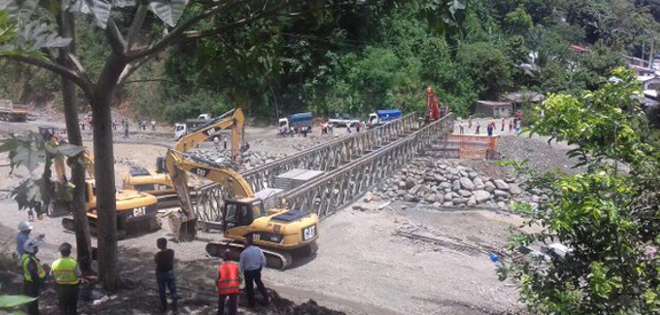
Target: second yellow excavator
[[281, 233], [159, 183]]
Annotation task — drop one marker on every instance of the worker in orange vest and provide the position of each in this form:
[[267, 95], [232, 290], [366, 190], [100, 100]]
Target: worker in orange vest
[[229, 280]]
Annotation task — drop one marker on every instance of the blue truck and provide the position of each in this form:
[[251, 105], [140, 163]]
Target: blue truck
[[383, 116], [291, 123]]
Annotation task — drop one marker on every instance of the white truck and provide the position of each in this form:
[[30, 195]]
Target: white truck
[[343, 120], [181, 129]]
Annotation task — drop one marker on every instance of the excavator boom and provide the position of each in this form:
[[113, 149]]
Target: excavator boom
[[235, 122]]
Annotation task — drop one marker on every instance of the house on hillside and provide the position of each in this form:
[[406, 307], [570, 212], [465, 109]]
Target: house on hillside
[[494, 109]]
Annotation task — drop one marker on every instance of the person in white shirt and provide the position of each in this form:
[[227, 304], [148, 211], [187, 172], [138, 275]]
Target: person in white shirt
[[251, 262]]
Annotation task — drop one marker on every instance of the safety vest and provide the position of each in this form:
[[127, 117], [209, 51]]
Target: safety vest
[[228, 282], [64, 271], [26, 273]]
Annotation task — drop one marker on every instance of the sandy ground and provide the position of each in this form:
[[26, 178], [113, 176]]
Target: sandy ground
[[362, 267]]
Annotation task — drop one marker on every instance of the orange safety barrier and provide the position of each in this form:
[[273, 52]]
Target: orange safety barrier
[[471, 147]]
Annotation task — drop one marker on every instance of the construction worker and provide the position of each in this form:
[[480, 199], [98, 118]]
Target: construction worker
[[24, 230], [229, 281], [34, 273], [66, 273], [251, 262], [165, 274]]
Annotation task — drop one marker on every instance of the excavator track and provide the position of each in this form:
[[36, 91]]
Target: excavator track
[[126, 228], [275, 259]]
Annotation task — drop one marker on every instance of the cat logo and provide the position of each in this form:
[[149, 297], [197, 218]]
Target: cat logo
[[200, 171], [211, 131], [139, 211]]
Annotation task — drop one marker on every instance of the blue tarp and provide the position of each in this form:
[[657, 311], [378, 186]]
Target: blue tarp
[[301, 117], [388, 114]]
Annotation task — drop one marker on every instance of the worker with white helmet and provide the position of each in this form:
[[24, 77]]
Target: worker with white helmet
[[34, 274], [24, 229]]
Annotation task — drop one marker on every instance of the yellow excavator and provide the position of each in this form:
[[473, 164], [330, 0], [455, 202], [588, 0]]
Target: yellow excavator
[[281, 233], [136, 211], [159, 183]]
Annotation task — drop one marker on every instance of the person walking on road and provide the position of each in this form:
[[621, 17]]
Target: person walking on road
[[503, 124], [251, 262], [66, 273], [34, 274], [216, 142], [153, 125], [229, 281], [165, 274], [460, 127], [478, 127]]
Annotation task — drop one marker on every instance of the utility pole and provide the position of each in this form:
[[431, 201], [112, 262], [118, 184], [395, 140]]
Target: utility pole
[[651, 52]]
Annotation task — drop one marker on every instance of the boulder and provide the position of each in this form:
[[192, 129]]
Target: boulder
[[430, 198], [465, 193], [489, 186], [501, 185], [472, 201], [448, 197], [501, 193], [439, 178], [410, 183], [481, 196], [477, 181], [402, 185], [453, 170], [466, 183], [447, 204], [463, 173], [459, 201], [439, 198], [445, 185], [456, 185], [368, 197], [514, 189], [473, 175]]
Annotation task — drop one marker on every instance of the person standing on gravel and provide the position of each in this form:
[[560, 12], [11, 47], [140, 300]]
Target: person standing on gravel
[[251, 262], [66, 273], [228, 281], [153, 125], [478, 127], [165, 274], [24, 230], [460, 127], [34, 274]]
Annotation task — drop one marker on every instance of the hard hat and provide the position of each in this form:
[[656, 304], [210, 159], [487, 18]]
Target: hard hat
[[31, 244], [24, 226]]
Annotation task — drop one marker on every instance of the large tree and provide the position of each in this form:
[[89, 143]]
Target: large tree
[[27, 41]]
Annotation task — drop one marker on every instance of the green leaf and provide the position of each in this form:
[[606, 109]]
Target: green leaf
[[20, 10], [28, 157], [7, 301], [69, 150], [100, 9], [35, 36], [169, 11]]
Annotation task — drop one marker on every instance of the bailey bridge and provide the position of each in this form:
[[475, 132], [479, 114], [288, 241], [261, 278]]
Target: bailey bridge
[[352, 166]]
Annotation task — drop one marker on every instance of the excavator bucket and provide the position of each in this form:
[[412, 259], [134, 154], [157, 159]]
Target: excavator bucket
[[183, 227]]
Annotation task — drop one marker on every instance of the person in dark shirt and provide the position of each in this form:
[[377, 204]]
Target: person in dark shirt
[[165, 274]]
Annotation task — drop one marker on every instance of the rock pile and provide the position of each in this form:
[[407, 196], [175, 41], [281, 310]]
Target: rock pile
[[447, 183], [250, 158]]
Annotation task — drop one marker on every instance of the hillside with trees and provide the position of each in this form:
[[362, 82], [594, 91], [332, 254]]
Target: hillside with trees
[[357, 58]]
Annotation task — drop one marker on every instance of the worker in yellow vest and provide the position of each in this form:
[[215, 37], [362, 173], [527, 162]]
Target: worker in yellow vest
[[34, 274], [66, 273], [229, 280]]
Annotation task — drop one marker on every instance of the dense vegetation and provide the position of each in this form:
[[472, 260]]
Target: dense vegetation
[[375, 55]]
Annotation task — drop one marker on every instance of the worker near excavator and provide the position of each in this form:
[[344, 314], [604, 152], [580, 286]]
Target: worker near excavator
[[66, 273], [34, 274], [251, 262], [24, 230], [165, 274], [229, 281]]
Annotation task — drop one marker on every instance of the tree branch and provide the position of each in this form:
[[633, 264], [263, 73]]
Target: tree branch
[[136, 25], [177, 31], [114, 37], [132, 67], [84, 84]]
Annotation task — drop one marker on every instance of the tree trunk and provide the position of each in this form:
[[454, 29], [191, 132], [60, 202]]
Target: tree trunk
[[104, 166], [81, 224]]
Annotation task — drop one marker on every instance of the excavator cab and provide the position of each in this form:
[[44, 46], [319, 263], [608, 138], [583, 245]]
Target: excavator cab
[[241, 212]]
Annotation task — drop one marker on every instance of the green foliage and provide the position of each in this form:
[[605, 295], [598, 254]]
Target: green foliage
[[518, 21], [487, 65], [608, 216], [32, 151]]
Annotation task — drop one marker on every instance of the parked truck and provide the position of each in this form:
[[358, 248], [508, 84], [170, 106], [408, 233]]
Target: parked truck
[[383, 116], [13, 112], [182, 129], [343, 120], [302, 120]]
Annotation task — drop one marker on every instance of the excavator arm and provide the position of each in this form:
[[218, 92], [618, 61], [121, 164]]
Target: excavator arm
[[235, 122], [178, 165]]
